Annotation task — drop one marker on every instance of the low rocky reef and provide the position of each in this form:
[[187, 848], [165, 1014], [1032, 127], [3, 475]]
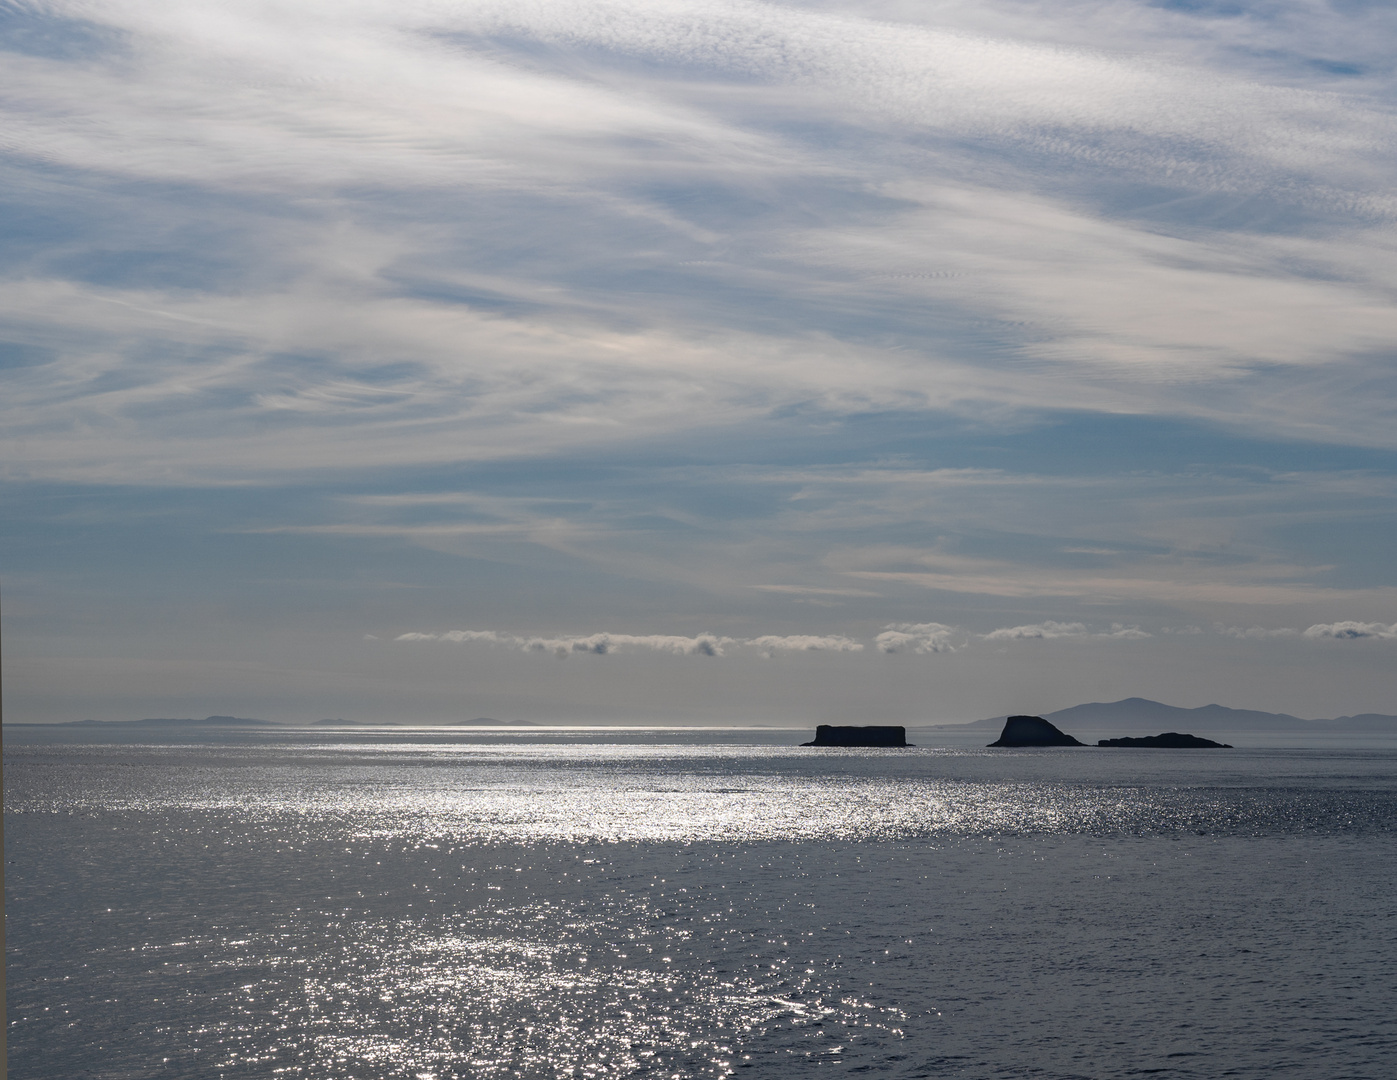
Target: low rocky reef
[[1032, 731], [832, 735], [1170, 740]]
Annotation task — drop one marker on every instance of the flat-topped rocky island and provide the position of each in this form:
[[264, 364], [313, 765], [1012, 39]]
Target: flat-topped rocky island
[[868, 735]]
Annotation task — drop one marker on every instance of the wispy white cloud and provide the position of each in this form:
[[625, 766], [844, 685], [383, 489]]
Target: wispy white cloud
[[811, 590], [437, 92], [562, 247], [511, 337], [1168, 540], [1186, 581]]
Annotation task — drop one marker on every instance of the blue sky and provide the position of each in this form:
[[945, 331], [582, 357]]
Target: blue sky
[[697, 362]]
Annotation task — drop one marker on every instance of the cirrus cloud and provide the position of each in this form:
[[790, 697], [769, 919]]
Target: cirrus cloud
[[761, 306]]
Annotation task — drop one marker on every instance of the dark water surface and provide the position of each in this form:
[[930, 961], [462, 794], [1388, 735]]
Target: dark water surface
[[424, 906]]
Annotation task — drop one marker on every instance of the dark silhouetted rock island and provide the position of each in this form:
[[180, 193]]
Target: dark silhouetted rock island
[[1170, 740], [1032, 731], [830, 735]]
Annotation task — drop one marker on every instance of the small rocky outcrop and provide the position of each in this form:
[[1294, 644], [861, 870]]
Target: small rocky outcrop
[[1032, 731], [1170, 740], [872, 735]]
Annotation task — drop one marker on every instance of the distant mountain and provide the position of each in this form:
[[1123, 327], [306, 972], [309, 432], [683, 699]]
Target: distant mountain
[[1364, 722], [208, 721], [1141, 715], [485, 721]]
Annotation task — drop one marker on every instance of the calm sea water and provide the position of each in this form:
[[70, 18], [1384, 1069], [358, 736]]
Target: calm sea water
[[421, 906]]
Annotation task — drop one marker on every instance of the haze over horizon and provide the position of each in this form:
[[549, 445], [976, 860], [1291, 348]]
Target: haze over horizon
[[697, 362]]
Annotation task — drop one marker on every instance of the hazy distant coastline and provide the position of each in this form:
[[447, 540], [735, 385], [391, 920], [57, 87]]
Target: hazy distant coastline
[[242, 721], [208, 721], [1140, 716], [1089, 721]]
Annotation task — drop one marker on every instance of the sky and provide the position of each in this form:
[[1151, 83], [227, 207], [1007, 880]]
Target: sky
[[713, 362]]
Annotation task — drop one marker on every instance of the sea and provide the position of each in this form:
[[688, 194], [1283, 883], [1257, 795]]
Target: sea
[[430, 904]]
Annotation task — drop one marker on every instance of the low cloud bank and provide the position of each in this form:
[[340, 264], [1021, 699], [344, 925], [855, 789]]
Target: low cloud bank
[[916, 638], [1351, 631], [596, 644], [1344, 630], [602, 644], [1050, 629], [804, 643]]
